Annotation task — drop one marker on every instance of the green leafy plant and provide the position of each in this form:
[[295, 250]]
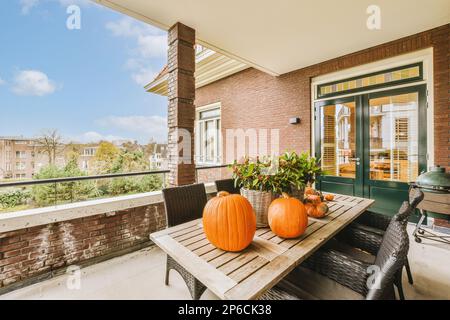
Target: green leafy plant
[[254, 175], [298, 170], [282, 174], [13, 198]]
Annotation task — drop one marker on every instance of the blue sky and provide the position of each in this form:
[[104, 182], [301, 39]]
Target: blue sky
[[86, 83]]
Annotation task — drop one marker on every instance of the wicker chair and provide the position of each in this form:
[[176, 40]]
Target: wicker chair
[[351, 272], [227, 185], [366, 233], [184, 204]]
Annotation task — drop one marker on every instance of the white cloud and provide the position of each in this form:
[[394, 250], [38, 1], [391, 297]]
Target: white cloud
[[27, 5], [152, 46], [141, 73], [81, 3], [93, 136], [2, 82], [149, 43], [33, 83], [146, 126]]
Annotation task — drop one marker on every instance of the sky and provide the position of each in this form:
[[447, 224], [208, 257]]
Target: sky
[[88, 82]]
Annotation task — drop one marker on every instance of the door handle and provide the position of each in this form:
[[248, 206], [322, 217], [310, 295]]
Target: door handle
[[354, 159]]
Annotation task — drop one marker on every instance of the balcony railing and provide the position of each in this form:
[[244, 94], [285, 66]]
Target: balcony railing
[[21, 195]]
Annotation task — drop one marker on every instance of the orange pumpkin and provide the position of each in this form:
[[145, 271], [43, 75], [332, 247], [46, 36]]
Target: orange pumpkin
[[287, 217], [309, 191], [316, 210], [329, 197], [229, 221], [314, 199]]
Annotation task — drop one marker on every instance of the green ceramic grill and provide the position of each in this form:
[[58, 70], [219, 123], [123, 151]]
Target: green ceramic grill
[[435, 180]]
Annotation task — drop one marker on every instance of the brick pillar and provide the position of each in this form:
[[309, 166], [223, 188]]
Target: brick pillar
[[181, 113]]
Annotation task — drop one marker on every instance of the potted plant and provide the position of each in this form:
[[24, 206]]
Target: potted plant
[[295, 172], [257, 185]]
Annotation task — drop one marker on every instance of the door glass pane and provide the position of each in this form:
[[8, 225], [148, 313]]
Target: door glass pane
[[393, 132], [338, 139], [210, 140]]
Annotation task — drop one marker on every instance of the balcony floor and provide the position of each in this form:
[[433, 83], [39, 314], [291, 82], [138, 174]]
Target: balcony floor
[[140, 275]]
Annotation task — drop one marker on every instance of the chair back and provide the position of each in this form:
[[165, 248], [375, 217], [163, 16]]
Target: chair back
[[415, 197], [184, 203], [392, 253], [228, 186]]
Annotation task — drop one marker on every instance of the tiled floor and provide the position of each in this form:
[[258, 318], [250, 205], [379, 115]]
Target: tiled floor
[[140, 275]]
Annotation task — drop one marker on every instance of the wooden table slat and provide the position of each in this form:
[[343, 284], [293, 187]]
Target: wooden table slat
[[248, 269], [235, 264]]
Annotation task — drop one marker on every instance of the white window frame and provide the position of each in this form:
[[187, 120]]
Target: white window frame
[[200, 148]]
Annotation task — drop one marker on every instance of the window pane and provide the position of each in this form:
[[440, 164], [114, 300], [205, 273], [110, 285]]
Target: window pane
[[338, 139], [210, 140], [393, 134], [367, 81], [210, 113]]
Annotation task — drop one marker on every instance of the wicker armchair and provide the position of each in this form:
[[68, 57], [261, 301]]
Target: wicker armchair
[[366, 233], [227, 185], [351, 272], [184, 204]]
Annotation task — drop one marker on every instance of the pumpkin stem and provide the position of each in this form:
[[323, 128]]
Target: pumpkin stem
[[285, 195], [222, 193]]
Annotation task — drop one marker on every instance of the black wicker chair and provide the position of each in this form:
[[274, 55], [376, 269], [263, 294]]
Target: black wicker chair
[[366, 233], [228, 186], [184, 204], [351, 272]]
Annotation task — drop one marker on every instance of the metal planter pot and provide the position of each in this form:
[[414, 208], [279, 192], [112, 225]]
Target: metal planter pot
[[298, 193]]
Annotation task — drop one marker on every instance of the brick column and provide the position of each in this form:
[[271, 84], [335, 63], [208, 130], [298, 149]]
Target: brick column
[[181, 113]]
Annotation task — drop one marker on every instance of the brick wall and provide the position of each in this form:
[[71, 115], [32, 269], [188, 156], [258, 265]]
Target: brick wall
[[45, 250], [213, 174], [253, 99]]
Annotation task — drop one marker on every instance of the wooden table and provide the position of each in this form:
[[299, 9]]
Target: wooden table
[[249, 273]]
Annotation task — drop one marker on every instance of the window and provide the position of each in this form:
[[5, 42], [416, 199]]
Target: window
[[85, 165], [8, 166], [21, 154], [369, 81], [89, 152], [8, 155], [208, 135], [394, 130], [21, 176], [20, 165]]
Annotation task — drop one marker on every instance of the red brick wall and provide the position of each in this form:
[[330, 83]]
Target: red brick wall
[[211, 175], [40, 250], [253, 99]]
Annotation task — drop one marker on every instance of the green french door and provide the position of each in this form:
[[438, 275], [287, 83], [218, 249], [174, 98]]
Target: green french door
[[372, 145]]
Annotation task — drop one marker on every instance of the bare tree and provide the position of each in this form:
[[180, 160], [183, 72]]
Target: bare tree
[[50, 143]]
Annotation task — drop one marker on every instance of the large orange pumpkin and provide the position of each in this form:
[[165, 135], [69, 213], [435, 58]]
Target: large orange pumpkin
[[287, 217], [229, 221]]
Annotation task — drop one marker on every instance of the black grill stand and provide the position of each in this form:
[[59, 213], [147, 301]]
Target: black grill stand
[[421, 233]]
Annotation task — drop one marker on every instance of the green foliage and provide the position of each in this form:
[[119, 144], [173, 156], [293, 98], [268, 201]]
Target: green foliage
[[105, 157], [254, 175], [129, 185], [293, 171], [13, 198], [129, 161], [65, 192], [296, 171]]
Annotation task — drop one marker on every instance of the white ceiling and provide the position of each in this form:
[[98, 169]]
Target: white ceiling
[[278, 36]]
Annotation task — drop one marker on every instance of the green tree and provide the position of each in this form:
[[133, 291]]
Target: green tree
[[64, 192], [105, 157], [133, 161]]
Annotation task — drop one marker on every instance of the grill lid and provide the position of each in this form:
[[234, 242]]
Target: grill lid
[[436, 180]]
